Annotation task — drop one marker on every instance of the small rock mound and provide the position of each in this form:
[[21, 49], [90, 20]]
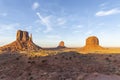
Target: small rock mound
[[92, 43], [61, 45], [23, 43]]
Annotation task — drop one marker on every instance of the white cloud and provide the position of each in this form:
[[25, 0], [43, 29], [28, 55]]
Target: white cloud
[[108, 12], [45, 21], [35, 5]]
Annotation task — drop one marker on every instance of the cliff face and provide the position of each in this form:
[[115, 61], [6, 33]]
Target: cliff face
[[23, 42]]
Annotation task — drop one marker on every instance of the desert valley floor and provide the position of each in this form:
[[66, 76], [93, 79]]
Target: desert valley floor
[[24, 60], [60, 64]]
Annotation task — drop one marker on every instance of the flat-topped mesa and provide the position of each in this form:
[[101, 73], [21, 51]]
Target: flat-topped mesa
[[23, 43], [61, 45], [92, 43]]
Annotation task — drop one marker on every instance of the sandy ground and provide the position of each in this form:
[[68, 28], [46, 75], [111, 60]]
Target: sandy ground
[[63, 64]]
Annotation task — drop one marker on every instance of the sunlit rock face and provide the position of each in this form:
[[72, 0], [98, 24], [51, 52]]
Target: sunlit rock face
[[61, 45], [92, 43], [23, 42]]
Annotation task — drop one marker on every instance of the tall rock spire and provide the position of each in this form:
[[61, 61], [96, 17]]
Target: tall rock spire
[[30, 38]]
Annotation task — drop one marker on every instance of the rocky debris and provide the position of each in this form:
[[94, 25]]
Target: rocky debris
[[23, 42], [61, 45], [92, 43], [62, 66]]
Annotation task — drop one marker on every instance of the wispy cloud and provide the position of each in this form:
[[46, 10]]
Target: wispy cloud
[[61, 21], [9, 26], [79, 26], [103, 4], [45, 21], [89, 32], [108, 12], [35, 5], [53, 36]]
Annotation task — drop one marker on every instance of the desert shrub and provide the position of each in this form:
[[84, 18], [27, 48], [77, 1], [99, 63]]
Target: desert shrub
[[56, 58], [2, 77], [17, 58], [114, 60], [31, 78], [70, 58], [29, 61], [107, 59], [110, 55], [29, 74], [63, 56], [44, 61], [32, 62], [66, 58], [29, 58]]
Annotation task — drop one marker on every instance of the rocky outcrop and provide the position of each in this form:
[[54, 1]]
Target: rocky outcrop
[[92, 43], [22, 36], [61, 45], [23, 43]]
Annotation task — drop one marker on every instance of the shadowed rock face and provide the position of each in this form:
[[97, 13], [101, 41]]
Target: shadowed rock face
[[22, 36], [19, 35], [23, 42], [25, 36], [61, 45]]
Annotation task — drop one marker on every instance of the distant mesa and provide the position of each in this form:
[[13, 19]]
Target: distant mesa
[[92, 43], [23, 42], [61, 45]]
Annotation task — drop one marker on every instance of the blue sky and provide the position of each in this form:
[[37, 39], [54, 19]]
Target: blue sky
[[51, 21]]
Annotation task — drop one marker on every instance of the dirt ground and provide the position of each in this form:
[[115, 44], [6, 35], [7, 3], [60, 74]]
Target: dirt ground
[[63, 64]]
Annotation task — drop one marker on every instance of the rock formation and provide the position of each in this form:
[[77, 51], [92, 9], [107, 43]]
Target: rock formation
[[61, 45], [23, 43], [92, 43]]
